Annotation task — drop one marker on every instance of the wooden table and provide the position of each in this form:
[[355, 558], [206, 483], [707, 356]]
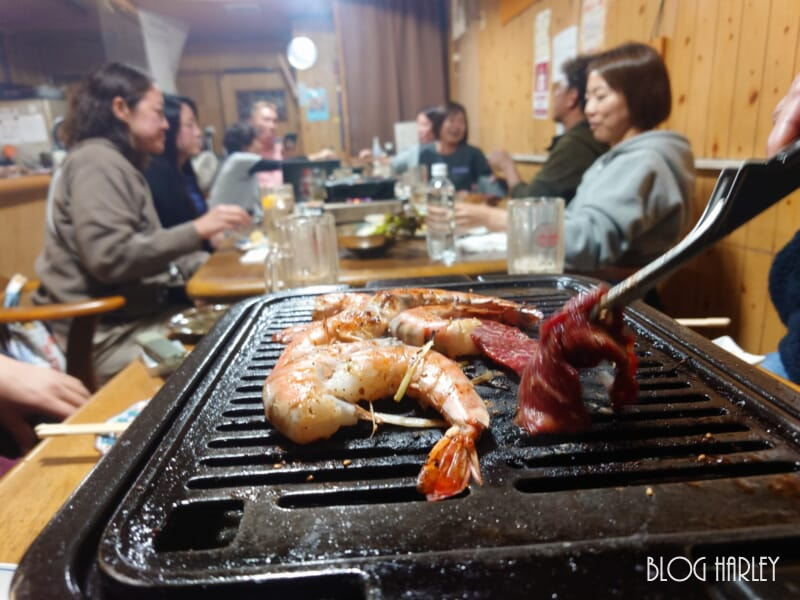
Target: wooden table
[[32, 492], [224, 278]]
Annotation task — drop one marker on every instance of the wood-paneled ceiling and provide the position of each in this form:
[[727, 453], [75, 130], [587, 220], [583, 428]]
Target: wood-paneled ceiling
[[205, 18]]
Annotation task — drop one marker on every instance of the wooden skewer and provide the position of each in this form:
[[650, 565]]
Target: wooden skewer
[[45, 430], [705, 322]]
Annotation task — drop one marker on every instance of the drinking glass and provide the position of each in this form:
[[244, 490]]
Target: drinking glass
[[536, 235], [305, 252], [276, 201]]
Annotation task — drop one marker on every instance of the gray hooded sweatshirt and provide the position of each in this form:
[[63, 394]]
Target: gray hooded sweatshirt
[[632, 203]]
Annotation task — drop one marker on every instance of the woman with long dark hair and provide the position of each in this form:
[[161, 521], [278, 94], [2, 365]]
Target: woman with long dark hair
[[170, 175], [106, 238]]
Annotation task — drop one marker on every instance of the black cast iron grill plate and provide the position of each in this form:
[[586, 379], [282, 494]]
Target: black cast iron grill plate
[[225, 502]]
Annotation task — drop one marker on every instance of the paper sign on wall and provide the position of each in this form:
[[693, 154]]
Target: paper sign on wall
[[593, 23], [541, 65], [565, 46]]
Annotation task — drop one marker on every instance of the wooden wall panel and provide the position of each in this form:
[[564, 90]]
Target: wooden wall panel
[[730, 62], [322, 134], [22, 213], [702, 90], [203, 88]]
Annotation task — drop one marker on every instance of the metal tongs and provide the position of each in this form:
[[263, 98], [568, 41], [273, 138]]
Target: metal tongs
[[738, 196]]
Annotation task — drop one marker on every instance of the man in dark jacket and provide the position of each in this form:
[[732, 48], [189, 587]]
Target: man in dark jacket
[[570, 154]]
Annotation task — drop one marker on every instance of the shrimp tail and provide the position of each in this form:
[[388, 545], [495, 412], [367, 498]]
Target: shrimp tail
[[449, 465]]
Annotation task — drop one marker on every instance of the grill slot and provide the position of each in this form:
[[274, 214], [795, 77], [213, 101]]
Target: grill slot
[[306, 476], [393, 495], [200, 526], [558, 483], [608, 454], [664, 398]]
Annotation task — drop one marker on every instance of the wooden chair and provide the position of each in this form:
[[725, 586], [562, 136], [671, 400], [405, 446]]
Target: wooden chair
[[84, 315]]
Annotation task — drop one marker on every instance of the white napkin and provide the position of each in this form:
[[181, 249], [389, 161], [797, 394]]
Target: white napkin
[[726, 343], [254, 256], [491, 242]]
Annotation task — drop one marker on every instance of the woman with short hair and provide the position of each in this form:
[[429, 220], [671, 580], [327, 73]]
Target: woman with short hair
[[633, 203]]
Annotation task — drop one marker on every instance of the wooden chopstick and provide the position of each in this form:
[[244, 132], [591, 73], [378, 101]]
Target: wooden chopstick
[[45, 430], [704, 322]]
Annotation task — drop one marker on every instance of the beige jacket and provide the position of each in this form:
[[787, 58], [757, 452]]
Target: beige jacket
[[106, 238]]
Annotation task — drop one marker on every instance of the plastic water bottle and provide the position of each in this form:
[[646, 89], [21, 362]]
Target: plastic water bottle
[[440, 219]]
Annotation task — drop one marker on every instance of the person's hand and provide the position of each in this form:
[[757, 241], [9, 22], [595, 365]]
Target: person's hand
[[501, 162], [469, 216], [27, 390], [785, 119], [223, 217], [365, 154], [324, 154]]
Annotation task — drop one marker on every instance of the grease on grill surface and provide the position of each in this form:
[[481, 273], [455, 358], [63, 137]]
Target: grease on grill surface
[[353, 497]]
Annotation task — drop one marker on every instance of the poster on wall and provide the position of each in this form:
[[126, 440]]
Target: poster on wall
[[458, 18], [317, 107], [565, 46], [593, 23], [541, 65]]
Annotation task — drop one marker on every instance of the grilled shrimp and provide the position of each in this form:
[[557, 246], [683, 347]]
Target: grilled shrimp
[[414, 315], [310, 397]]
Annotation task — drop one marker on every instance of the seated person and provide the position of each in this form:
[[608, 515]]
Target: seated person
[[633, 202], [28, 391], [170, 175], [570, 154], [292, 151], [107, 238], [427, 120], [290, 146], [784, 275], [466, 164], [234, 183], [241, 137], [264, 118]]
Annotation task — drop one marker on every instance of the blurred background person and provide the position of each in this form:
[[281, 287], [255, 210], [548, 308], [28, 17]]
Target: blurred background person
[[264, 118], [466, 164], [106, 237], [241, 137], [234, 183], [29, 392], [170, 175], [427, 120], [784, 274], [290, 146], [570, 154]]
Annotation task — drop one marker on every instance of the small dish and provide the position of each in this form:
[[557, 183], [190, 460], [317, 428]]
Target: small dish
[[361, 239], [190, 325]]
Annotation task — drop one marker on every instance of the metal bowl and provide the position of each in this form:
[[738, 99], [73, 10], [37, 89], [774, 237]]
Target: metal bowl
[[351, 237]]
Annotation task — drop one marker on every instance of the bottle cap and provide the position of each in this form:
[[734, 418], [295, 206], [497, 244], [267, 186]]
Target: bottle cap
[[439, 170]]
